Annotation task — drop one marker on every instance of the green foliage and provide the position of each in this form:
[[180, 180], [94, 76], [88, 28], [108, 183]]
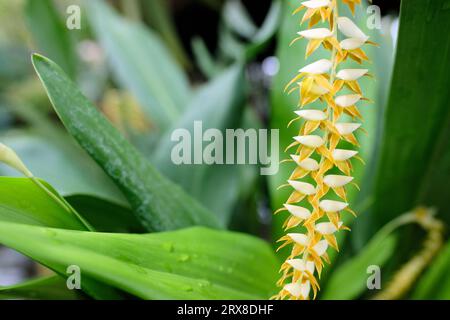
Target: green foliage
[[142, 64], [51, 35], [415, 158], [157, 203], [193, 263]]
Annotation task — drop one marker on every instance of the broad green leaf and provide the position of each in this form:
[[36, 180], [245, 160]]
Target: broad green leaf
[[61, 163], [45, 288], [50, 34], [435, 283], [142, 64], [22, 201], [195, 263], [158, 203], [105, 216], [217, 105], [415, 162]]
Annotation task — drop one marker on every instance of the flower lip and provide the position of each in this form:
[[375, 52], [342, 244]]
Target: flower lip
[[311, 141], [332, 206], [351, 74], [299, 238], [336, 181], [327, 227], [342, 155], [316, 4], [300, 265], [318, 67], [352, 43], [298, 211], [350, 29], [321, 247], [298, 290], [312, 115], [316, 34], [347, 100], [347, 128], [303, 187]]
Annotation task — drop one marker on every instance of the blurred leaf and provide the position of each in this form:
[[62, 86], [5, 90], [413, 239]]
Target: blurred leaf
[[50, 34], [22, 201], [435, 283], [349, 280], [194, 263], [161, 20], [238, 19], [203, 58], [142, 64], [158, 203], [217, 105], [45, 288], [105, 216], [266, 32], [415, 158], [66, 167]]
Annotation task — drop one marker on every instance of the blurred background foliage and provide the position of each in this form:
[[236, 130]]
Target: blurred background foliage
[[152, 66]]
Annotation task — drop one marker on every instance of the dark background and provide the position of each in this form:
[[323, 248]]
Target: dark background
[[194, 18]]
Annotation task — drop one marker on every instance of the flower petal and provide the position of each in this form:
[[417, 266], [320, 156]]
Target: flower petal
[[347, 128], [350, 29], [342, 155], [298, 211], [311, 141], [316, 34], [303, 187], [326, 228], [351, 74], [352, 43], [321, 247], [316, 4], [312, 115], [318, 67], [336, 181], [299, 238], [347, 100], [332, 206]]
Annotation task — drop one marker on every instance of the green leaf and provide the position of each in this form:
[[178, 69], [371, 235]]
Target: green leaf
[[268, 29], [158, 203], [22, 201], [105, 216], [160, 18], [217, 105], [142, 64], [45, 288], [415, 162], [50, 34], [435, 283], [194, 263], [237, 18], [61, 163]]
